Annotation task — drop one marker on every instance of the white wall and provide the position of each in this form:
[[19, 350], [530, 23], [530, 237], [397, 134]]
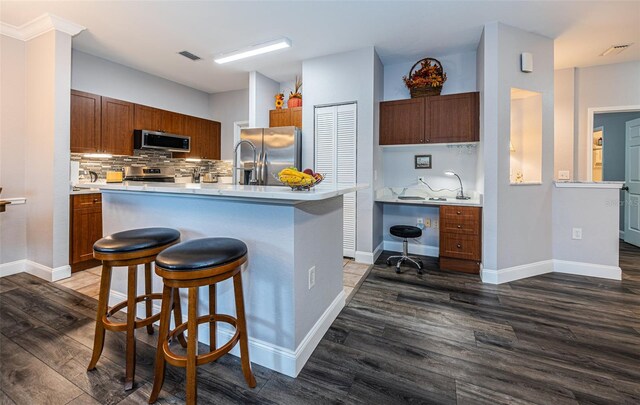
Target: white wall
[[262, 91], [99, 76], [575, 208], [13, 222], [339, 78], [227, 108], [563, 119], [517, 220], [48, 81], [400, 171], [460, 69], [580, 89]]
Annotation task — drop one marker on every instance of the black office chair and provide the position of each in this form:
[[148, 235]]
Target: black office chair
[[405, 232]]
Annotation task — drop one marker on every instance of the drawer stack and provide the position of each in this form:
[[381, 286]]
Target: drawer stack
[[460, 238]]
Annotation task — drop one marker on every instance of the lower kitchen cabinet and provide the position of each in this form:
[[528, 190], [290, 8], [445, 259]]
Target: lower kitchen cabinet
[[85, 230], [460, 238]]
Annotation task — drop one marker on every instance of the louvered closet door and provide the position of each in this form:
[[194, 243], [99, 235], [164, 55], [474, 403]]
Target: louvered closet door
[[336, 159]]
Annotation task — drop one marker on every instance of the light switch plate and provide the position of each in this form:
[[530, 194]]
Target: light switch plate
[[576, 233], [563, 175]]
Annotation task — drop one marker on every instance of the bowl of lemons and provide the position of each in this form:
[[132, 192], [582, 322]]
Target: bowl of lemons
[[299, 180]]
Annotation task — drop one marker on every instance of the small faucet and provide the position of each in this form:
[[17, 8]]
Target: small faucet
[[235, 168]]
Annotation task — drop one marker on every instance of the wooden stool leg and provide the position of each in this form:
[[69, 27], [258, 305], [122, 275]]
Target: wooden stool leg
[[242, 328], [212, 311], [165, 319], [192, 347], [147, 290], [177, 315], [103, 305], [131, 327]]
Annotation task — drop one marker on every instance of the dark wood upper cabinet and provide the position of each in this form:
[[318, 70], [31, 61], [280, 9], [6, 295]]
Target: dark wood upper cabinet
[[85, 122], [402, 121], [117, 126], [103, 124], [453, 118], [147, 117], [205, 138], [286, 117], [172, 122], [437, 119]]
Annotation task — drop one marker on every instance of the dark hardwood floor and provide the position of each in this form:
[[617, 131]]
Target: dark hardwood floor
[[442, 338]]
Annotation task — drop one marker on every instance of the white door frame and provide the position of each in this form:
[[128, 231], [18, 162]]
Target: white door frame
[[237, 126], [588, 135]]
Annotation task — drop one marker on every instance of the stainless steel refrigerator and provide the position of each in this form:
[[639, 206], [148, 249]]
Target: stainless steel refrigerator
[[276, 149]]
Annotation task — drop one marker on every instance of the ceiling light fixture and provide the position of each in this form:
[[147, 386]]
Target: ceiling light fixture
[[253, 51], [615, 49]]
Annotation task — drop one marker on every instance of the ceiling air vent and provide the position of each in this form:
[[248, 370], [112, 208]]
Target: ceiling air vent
[[615, 49], [189, 55]]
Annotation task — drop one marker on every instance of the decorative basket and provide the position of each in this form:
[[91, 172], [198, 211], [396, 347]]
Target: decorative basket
[[426, 90], [297, 187]]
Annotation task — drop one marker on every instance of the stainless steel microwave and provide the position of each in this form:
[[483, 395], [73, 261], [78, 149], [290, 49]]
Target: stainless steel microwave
[[143, 139]]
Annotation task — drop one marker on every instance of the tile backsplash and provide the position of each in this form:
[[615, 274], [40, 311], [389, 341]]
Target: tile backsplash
[[148, 158]]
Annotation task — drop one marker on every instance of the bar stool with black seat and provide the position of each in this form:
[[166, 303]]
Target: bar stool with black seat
[[193, 264], [405, 232], [130, 248]]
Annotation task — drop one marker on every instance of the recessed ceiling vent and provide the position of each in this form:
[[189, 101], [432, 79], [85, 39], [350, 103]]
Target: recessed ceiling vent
[[615, 49], [189, 55]]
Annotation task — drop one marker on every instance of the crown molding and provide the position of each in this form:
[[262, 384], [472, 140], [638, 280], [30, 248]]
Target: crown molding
[[40, 25]]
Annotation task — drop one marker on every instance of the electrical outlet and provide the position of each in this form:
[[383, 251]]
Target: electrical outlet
[[312, 277], [427, 222], [435, 224], [563, 175], [420, 223], [576, 233]]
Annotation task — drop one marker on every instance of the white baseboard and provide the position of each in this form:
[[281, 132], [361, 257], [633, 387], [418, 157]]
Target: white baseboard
[[7, 269], [588, 269], [369, 258], [414, 248], [36, 269], [280, 359], [514, 273], [621, 235]]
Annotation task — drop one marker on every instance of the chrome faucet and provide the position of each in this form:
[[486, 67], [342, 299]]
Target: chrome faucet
[[235, 168]]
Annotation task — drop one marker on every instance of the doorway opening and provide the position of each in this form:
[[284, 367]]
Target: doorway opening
[[615, 156]]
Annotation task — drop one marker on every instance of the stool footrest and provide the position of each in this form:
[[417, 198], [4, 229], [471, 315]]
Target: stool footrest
[[122, 326], [181, 361]]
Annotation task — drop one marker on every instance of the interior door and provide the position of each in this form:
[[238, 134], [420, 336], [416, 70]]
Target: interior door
[[335, 158], [632, 181]]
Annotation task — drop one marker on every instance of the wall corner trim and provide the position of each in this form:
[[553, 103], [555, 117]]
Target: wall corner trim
[[369, 258], [40, 25]]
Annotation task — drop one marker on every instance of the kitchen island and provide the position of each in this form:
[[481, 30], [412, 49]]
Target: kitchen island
[[293, 278]]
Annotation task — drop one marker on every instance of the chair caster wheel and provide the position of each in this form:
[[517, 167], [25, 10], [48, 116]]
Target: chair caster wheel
[[388, 262], [397, 270]]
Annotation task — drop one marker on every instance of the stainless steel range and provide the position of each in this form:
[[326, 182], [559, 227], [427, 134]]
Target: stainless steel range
[[150, 174]]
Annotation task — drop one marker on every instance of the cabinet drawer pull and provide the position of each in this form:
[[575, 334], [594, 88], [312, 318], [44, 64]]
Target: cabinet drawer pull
[[459, 226], [459, 246], [459, 212], [95, 200]]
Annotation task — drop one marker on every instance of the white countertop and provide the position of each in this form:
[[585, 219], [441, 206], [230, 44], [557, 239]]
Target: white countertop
[[320, 192], [385, 195], [589, 184]]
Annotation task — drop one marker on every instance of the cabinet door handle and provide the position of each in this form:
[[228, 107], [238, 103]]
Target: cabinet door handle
[[459, 246], [95, 200], [459, 226], [459, 212]]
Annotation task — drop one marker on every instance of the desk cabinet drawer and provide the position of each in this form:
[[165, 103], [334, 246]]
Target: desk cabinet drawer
[[465, 225], [460, 246], [86, 200], [465, 213]]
